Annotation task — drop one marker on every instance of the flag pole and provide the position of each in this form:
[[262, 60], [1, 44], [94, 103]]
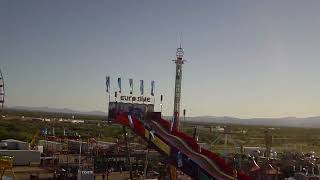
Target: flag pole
[[152, 93], [108, 105]]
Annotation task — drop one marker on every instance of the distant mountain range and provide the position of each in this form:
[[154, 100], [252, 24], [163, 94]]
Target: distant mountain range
[[308, 122], [58, 110]]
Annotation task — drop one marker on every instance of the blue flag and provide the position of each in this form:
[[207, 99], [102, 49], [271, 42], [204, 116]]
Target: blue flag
[[152, 88], [108, 83], [141, 87], [119, 84], [131, 85]]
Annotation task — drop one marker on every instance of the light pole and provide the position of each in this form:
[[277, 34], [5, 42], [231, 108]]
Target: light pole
[[161, 98], [79, 170]]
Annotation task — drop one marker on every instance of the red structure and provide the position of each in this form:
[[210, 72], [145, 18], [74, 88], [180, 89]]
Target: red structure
[[197, 162]]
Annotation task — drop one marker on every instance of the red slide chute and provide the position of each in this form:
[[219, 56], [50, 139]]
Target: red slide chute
[[139, 128]]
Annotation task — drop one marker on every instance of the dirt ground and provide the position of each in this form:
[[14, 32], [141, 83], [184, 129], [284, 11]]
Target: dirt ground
[[115, 175], [24, 172]]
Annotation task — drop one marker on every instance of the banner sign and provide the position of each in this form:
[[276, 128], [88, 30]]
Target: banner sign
[[135, 99], [134, 109]]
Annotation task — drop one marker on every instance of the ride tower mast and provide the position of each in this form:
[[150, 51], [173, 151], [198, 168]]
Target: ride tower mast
[[177, 89], [2, 93]]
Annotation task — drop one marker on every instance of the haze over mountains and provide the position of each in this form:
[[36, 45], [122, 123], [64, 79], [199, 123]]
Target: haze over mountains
[[310, 122], [58, 110]]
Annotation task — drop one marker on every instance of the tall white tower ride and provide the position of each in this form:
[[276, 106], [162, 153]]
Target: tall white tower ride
[[2, 93], [179, 61]]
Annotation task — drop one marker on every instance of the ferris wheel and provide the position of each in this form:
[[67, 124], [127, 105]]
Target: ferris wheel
[[2, 93]]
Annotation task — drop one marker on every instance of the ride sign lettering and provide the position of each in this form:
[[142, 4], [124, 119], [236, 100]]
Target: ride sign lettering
[[135, 99]]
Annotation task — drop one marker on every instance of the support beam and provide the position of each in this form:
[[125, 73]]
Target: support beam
[[145, 171], [128, 151]]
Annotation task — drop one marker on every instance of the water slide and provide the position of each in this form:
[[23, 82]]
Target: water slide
[[181, 150]]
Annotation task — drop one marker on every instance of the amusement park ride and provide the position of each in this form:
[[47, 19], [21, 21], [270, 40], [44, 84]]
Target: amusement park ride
[[181, 150], [177, 89], [6, 162]]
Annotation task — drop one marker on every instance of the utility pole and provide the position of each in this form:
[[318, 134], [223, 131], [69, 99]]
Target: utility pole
[[145, 171], [161, 99], [268, 143], [79, 170]]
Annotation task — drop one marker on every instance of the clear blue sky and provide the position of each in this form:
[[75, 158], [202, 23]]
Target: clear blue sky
[[245, 58]]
